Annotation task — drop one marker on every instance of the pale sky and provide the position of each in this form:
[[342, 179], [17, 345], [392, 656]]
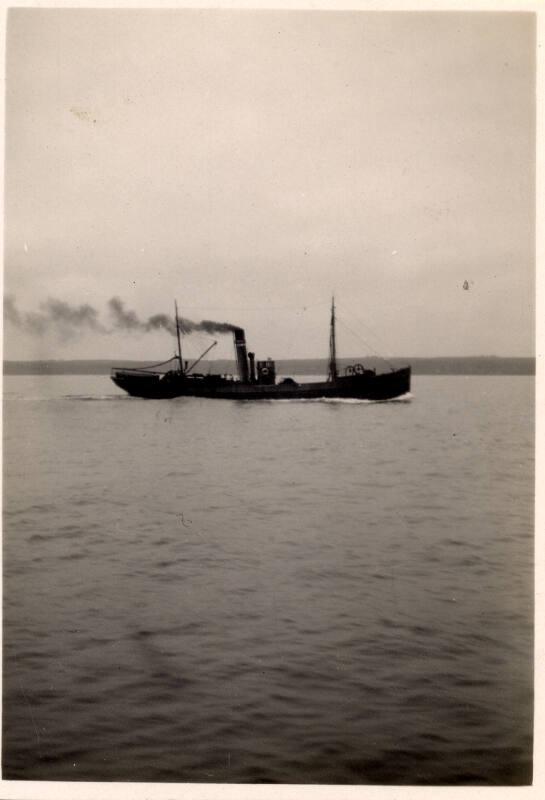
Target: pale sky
[[249, 163]]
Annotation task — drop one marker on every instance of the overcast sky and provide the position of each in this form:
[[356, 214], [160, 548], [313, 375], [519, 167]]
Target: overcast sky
[[250, 163]]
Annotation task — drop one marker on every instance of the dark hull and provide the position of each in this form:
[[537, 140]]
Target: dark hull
[[370, 386]]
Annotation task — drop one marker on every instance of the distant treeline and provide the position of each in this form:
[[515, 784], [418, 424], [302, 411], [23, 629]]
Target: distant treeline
[[461, 365]]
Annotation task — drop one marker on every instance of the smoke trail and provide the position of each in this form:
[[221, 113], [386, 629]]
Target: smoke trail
[[10, 311], [56, 315], [84, 316], [207, 326], [129, 320], [65, 320], [161, 322]]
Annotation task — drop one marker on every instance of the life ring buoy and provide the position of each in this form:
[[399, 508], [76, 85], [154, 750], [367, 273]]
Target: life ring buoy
[[359, 369], [350, 370], [265, 371]]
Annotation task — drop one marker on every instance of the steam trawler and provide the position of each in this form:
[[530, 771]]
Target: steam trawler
[[257, 380]]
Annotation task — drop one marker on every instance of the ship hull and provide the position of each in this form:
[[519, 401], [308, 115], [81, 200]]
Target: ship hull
[[369, 386]]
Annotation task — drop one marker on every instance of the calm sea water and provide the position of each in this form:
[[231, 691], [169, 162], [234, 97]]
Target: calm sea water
[[300, 592]]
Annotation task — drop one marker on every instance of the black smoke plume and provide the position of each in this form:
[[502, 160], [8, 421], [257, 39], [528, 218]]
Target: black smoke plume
[[54, 315], [66, 320], [129, 320]]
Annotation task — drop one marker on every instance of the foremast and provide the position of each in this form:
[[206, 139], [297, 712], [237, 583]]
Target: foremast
[[179, 353], [332, 375]]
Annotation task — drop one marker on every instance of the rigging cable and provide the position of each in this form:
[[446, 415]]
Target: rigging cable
[[366, 344], [160, 364]]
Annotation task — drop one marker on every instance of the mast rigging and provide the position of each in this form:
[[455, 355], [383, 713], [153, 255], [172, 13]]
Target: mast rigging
[[178, 337], [332, 345]]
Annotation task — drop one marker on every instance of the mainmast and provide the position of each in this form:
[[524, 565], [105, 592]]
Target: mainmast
[[178, 337], [332, 346]]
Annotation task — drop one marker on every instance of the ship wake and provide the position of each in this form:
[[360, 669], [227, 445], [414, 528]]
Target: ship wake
[[346, 401]]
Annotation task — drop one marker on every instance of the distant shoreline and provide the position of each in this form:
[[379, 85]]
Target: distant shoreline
[[459, 365]]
